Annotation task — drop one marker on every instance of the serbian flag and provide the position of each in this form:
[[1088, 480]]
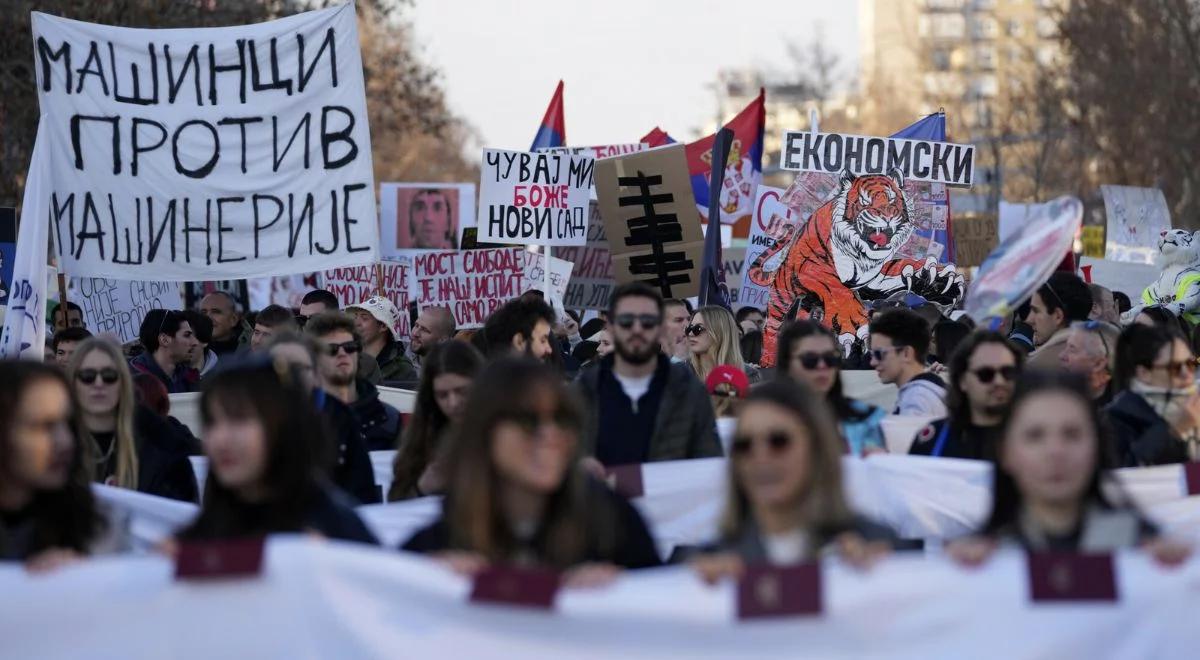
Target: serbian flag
[[553, 131], [657, 137], [743, 172], [933, 127]]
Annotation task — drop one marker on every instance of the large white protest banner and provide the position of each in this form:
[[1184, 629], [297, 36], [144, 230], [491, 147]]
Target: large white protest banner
[[24, 331], [175, 154], [1136, 218], [917, 160], [356, 284], [470, 283], [118, 306], [534, 198]]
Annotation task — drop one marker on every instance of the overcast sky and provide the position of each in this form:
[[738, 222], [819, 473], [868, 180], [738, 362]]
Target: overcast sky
[[628, 65]]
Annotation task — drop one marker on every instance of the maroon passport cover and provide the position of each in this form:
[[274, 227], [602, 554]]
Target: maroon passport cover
[[511, 585], [226, 558], [626, 480], [767, 591], [1191, 476], [1066, 577]]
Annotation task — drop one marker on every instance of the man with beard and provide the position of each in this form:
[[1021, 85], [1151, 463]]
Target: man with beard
[[983, 371], [639, 406], [170, 344], [433, 326], [520, 326], [337, 368]]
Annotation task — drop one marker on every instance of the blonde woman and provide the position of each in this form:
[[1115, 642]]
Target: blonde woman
[[785, 504], [713, 338], [130, 445]]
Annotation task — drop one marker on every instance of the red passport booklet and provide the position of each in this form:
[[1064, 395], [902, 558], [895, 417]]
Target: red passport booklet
[[1191, 476], [1067, 577], [225, 558], [768, 592], [511, 585]]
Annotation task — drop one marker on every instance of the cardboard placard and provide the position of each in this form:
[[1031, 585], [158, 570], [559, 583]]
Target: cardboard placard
[[650, 217], [974, 239], [470, 283], [534, 198], [917, 160], [354, 285], [118, 306]]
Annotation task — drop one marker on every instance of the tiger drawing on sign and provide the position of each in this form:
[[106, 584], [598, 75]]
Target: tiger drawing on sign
[[845, 256]]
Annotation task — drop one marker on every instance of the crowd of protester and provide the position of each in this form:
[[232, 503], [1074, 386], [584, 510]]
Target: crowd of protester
[[517, 422]]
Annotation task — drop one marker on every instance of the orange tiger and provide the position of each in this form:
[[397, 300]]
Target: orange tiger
[[843, 256]]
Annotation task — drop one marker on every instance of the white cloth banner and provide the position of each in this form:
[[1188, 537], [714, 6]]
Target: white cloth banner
[[24, 331], [181, 154], [334, 600]]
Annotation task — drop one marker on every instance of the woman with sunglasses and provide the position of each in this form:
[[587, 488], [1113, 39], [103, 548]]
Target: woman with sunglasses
[[447, 373], [266, 454], [713, 339], [809, 353], [516, 491], [1048, 476], [48, 516], [1156, 416], [785, 500], [134, 447]]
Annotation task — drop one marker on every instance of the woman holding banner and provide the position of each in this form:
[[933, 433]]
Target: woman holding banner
[[785, 501], [263, 438], [48, 516], [446, 376], [517, 493], [1049, 469], [134, 448]]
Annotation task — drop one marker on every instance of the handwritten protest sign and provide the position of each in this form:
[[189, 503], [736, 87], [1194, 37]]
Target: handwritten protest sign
[[1136, 218], [424, 216], [592, 278], [975, 238], [770, 216], [118, 306], [538, 198], [918, 160], [471, 283], [560, 275], [598, 151], [650, 217], [354, 285], [177, 153], [733, 261]]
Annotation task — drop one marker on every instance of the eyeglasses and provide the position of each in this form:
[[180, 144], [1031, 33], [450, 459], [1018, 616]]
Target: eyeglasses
[[1181, 367], [647, 321], [988, 374], [812, 359], [776, 440], [878, 354], [694, 330], [350, 347], [530, 422], [88, 376]]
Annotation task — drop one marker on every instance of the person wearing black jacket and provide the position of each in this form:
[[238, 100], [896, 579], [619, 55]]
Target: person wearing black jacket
[[265, 443], [517, 493], [1156, 416], [351, 464], [133, 447]]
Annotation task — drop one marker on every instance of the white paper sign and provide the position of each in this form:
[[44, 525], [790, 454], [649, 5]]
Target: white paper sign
[[534, 198], [118, 306], [560, 276], [186, 154], [1136, 217]]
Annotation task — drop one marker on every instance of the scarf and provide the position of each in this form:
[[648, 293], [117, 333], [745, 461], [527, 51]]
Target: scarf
[[1169, 403]]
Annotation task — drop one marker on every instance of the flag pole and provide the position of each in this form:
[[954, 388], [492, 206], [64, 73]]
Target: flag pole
[[379, 279]]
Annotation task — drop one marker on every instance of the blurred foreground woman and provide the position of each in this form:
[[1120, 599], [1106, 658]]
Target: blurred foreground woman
[[265, 451], [47, 514], [516, 493], [1049, 468], [785, 503]]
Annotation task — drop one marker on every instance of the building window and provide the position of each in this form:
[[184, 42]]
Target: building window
[[984, 27], [1015, 27], [985, 58], [1047, 55], [940, 59], [985, 86], [944, 4], [1046, 27]]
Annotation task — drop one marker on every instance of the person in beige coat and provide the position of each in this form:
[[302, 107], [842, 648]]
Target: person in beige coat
[[1058, 303]]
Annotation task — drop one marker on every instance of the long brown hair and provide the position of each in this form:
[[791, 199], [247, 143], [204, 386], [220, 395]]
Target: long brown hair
[[125, 452], [726, 349], [427, 425], [824, 504], [472, 506]]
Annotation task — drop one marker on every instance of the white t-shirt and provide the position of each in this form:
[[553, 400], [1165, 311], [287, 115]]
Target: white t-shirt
[[635, 388], [787, 548]]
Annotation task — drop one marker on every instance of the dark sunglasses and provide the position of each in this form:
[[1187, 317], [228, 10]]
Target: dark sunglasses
[[812, 359], [988, 374], [776, 440], [878, 354], [647, 321], [531, 422], [1183, 368], [88, 376], [694, 330], [351, 347]]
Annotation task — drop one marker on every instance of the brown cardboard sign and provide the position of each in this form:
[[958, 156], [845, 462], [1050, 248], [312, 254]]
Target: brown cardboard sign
[[651, 219], [974, 239]]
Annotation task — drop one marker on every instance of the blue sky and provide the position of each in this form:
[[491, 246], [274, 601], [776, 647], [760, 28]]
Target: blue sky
[[628, 64]]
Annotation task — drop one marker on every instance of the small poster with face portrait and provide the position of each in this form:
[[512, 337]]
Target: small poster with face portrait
[[424, 216]]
